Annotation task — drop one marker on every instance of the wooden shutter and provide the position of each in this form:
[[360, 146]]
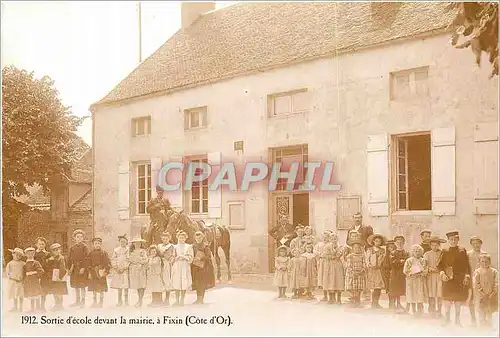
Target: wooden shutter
[[214, 197], [156, 164], [378, 175], [175, 176], [443, 171], [486, 168], [124, 190]]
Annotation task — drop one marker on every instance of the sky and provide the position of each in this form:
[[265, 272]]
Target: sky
[[86, 47]]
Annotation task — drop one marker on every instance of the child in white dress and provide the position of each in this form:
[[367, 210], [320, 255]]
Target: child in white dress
[[181, 268], [120, 262], [281, 270], [167, 253], [415, 270]]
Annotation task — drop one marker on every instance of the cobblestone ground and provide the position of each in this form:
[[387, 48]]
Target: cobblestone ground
[[252, 313]]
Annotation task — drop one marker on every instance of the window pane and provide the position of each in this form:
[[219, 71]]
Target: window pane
[[195, 192], [301, 101], [402, 167], [205, 192], [195, 119], [421, 83], [149, 193], [401, 86], [205, 205], [204, 121], [149, 170], [149, 181], [401, 148], [142, 195], [195, 206], [142, 208], [291, 151], [142, 183], [402, 201], [402, 183], [148, 125], [141, 170], [282, 105], [140, 126]]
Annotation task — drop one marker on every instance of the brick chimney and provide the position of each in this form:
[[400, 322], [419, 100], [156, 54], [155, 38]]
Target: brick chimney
[[190, 11]]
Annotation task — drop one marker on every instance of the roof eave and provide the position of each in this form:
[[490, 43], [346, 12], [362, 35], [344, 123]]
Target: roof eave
[[345, 50]]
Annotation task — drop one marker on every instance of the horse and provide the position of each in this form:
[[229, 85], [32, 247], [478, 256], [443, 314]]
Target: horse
[[217, 237], [151, 233]]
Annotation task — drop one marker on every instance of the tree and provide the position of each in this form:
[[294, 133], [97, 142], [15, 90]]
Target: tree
[[38, 136], [478, 23]]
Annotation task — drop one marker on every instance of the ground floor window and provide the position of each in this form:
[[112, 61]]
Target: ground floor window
[[413, 172]]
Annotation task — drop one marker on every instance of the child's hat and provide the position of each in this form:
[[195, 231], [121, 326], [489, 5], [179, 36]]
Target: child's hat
[[97, 239], [124, 236], [282, 247], [17, 250], [371, 238], [43, 239], [29, 249], [78, 231], [55, 246], [398, 237], [153, 246], [451, 234], [436, 239], [476, 239], [425, 231]]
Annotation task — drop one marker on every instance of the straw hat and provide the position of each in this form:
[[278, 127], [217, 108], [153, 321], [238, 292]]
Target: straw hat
[[476, 239], [55, 246], [78, 231], [371, 238], [436, 239], [29, 249], [17, 250]]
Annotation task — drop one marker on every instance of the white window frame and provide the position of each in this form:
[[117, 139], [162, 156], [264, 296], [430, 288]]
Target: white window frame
[[411, 75], [147, 186], [277, 157], [236, 226], [396, 140], [202, 197], [202, 118], [146, 123], [271, 103]]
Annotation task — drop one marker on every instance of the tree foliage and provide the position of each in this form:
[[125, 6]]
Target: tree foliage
[[38, 132], [477, 22]]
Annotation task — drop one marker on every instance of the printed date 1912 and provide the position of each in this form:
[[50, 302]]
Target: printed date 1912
[[30, 320]]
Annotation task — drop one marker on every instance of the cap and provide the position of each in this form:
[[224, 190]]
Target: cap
[[55, 246], [97, 239], [451, 234], [436, 239], [43, 239], [425, 231], [476, 239], [78, 231], [29, 249]]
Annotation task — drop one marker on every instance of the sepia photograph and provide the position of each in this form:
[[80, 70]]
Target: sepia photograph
[[249, 168]]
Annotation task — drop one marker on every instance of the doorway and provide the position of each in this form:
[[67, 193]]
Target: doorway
[[286, 208]]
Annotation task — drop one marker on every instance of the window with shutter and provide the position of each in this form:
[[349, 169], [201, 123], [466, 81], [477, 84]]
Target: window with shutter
[[286, 103], [443, 171], [144, 183], [378, 175], [141, 126], [195, 118], [410, 83], [486, 168]]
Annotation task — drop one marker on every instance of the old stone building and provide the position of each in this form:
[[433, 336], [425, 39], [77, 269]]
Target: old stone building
[[410, 122], [66, 207]]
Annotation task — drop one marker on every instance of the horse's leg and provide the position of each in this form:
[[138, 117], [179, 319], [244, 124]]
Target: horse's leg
[[226, 247], [217, 260]]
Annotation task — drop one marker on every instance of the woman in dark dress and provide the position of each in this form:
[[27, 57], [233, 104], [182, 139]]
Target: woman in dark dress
[[41, 256], [455, 272], [202, 269], [397, 280]]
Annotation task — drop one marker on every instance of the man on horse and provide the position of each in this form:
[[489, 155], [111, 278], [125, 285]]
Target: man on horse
[[157, 208]]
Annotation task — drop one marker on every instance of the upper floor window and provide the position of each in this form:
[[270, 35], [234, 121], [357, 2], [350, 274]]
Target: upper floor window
[[141, 126], [195, 118], [143, 186], [292, 102], [409, 83]]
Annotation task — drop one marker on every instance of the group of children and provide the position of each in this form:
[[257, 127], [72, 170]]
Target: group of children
[[380, 264], [36, 273]]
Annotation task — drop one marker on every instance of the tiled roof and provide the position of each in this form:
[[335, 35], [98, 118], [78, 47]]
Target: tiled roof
[[84, 203], [250, 37]]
